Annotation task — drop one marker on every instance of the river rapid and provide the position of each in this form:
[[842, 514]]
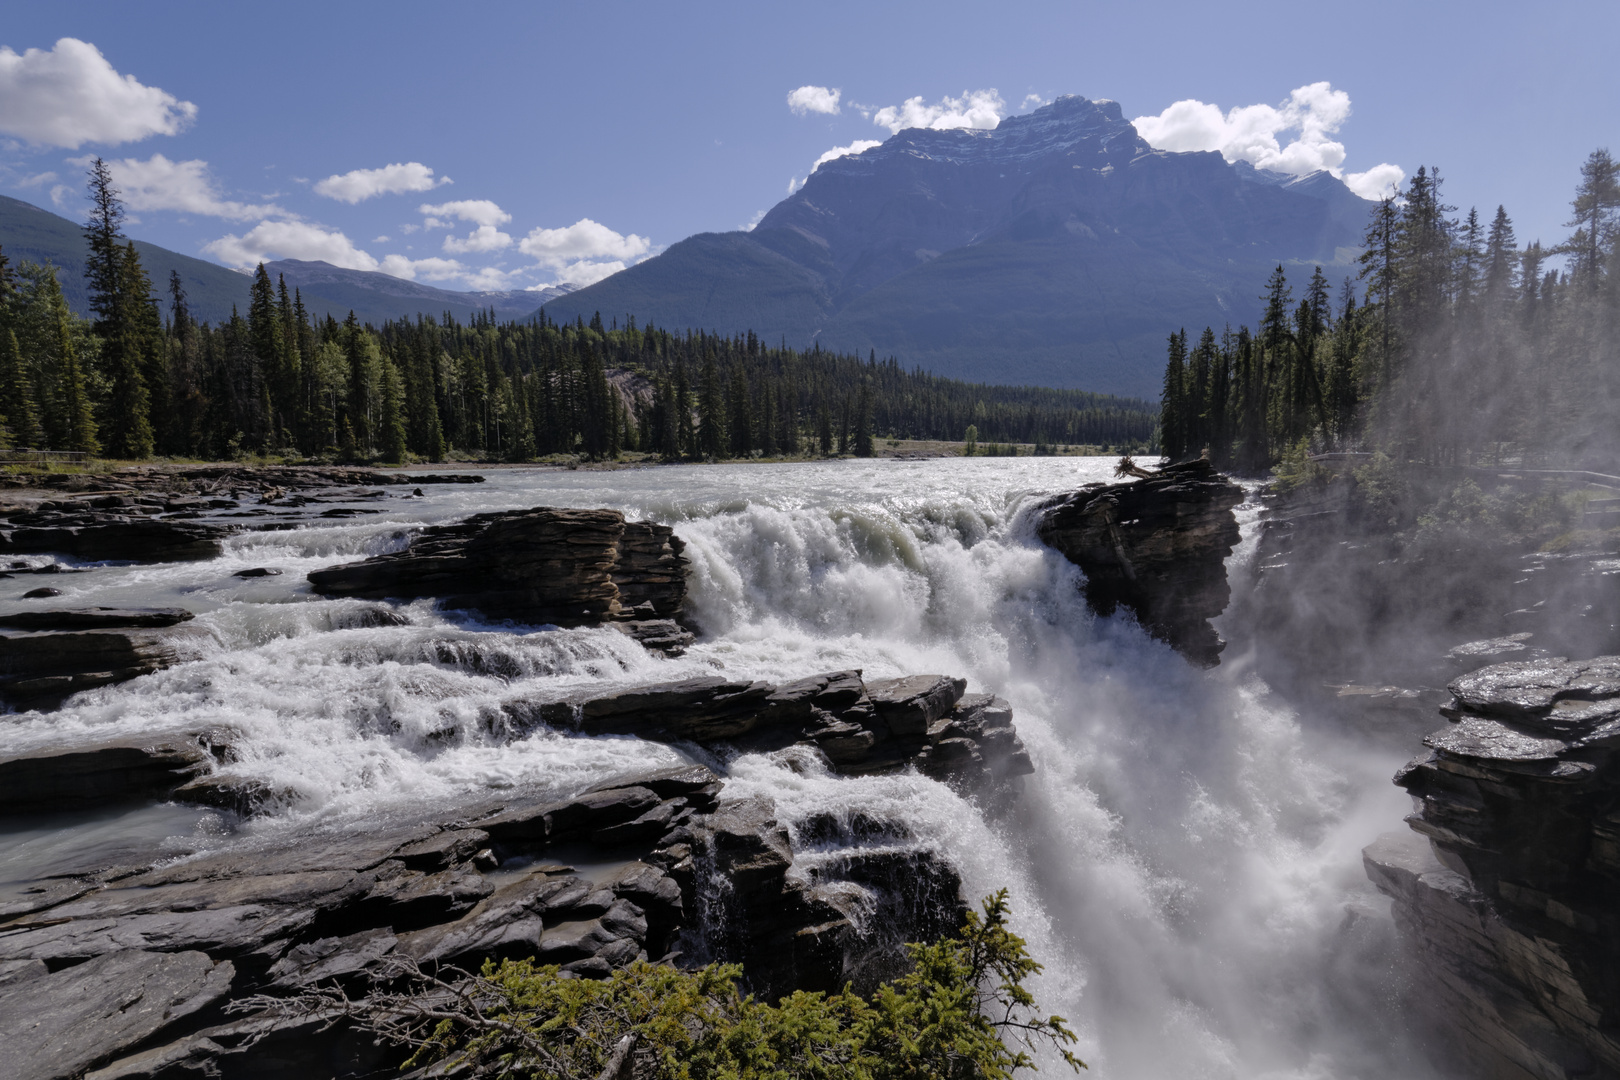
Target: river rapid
[[1185, 860]]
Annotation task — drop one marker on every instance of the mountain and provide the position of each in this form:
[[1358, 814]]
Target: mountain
[[1058, 249], [376, 297], [28, 232]]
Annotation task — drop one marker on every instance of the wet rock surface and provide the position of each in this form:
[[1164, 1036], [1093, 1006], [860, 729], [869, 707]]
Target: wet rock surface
[[861, 727], [132, 969], [40, 668], [1509, 891], [1156, 546], [545, 565]]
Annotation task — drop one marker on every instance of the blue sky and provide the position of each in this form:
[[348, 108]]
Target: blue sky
[[576, 138]]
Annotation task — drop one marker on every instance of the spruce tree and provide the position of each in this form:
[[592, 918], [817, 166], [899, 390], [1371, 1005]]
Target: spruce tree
[[863, 421], [1173, 401], [20, 412]]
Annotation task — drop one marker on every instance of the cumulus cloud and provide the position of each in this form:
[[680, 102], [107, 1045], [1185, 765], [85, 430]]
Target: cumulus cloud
[[481, 212], [814, 99], [1312, 115], [974, 109], [1033, 101], [71, 95], [583, 241], [1378, 182], [855, 147], [477, 211], [36, 180], [290, 240], [748, 226], [396, 179], [431, 269], [183, 186]]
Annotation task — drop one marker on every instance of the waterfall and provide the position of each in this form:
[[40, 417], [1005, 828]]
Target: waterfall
[[1185, 859]]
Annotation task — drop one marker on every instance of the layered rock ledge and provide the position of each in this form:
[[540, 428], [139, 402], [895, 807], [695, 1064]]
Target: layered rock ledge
[[564, 567], [145, 972], [1156, 546], [1508, 892]]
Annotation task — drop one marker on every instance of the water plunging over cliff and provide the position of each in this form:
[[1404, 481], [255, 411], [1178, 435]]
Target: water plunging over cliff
[[1185, 859]]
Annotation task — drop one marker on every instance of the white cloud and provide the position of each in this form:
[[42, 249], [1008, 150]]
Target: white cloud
[[477, 211], [59, 195], [589, 273], [489, 278], [1378, 182], [71, 95], [856, 147], [37, 180], [183, 186], [433, 269], [482, 212], [381, 239], [483, 238], [583, 241], [408, 229], [1033, 101], [974, 109], [290, 240], [1249, 133], [748, 226], [396, 179], [814, 99], [794, 184]]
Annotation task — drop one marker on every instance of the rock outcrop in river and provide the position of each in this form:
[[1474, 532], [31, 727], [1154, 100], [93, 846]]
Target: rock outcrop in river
[[1508, 892], [686, 876], [1157, 546], [545, 565]]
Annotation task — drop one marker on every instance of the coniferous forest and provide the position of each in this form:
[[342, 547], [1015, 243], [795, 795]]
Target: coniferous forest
[[1463, 347], [143, 378]]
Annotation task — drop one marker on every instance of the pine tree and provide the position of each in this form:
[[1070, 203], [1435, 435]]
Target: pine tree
[[1173, 401], [1596, 208], [863, 421], [19, 410], [115, 298], [391, 437]]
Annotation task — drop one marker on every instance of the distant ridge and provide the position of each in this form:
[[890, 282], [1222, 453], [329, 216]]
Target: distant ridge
[[29, 232], [1058, 249]]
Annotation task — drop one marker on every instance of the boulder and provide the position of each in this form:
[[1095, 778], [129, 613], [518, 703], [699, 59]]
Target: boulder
[[56, 1026], [545, 565], [1156, 546]]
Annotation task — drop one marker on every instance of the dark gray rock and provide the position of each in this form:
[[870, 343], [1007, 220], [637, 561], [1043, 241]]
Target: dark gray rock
[[58, 1025], [545, 565], [44, 592], [258, 572], [1509, 896], [1156, 546], [40, 669], [117, 538], [110, 772], [93, 618]]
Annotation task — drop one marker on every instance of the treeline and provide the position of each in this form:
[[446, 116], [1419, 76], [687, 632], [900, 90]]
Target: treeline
[[1465, 347], [143, 377]]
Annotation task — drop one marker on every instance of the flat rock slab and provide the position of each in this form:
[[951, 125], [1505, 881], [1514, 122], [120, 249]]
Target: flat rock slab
[[95, 618], [56, 1026], [38, 669], [111, 772], [140, 540]]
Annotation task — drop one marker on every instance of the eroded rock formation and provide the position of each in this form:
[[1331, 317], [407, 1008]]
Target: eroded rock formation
[[693, 879], [545, 565], [41, 667], [1509, 891], [1156, 546]]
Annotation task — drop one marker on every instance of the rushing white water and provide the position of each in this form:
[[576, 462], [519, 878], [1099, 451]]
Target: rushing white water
[[1185, 859]]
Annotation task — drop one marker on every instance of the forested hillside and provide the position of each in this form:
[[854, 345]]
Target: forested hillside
[[1466, 347], [146, 377]]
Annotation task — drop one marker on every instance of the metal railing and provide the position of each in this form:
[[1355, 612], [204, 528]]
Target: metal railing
[[28, 456]]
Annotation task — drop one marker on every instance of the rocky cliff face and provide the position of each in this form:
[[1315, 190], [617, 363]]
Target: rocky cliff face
[[1509, 893], [1157, 546], [545, 565]]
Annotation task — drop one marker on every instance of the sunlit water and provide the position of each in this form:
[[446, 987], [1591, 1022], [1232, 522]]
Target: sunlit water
[[1185, 859]]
